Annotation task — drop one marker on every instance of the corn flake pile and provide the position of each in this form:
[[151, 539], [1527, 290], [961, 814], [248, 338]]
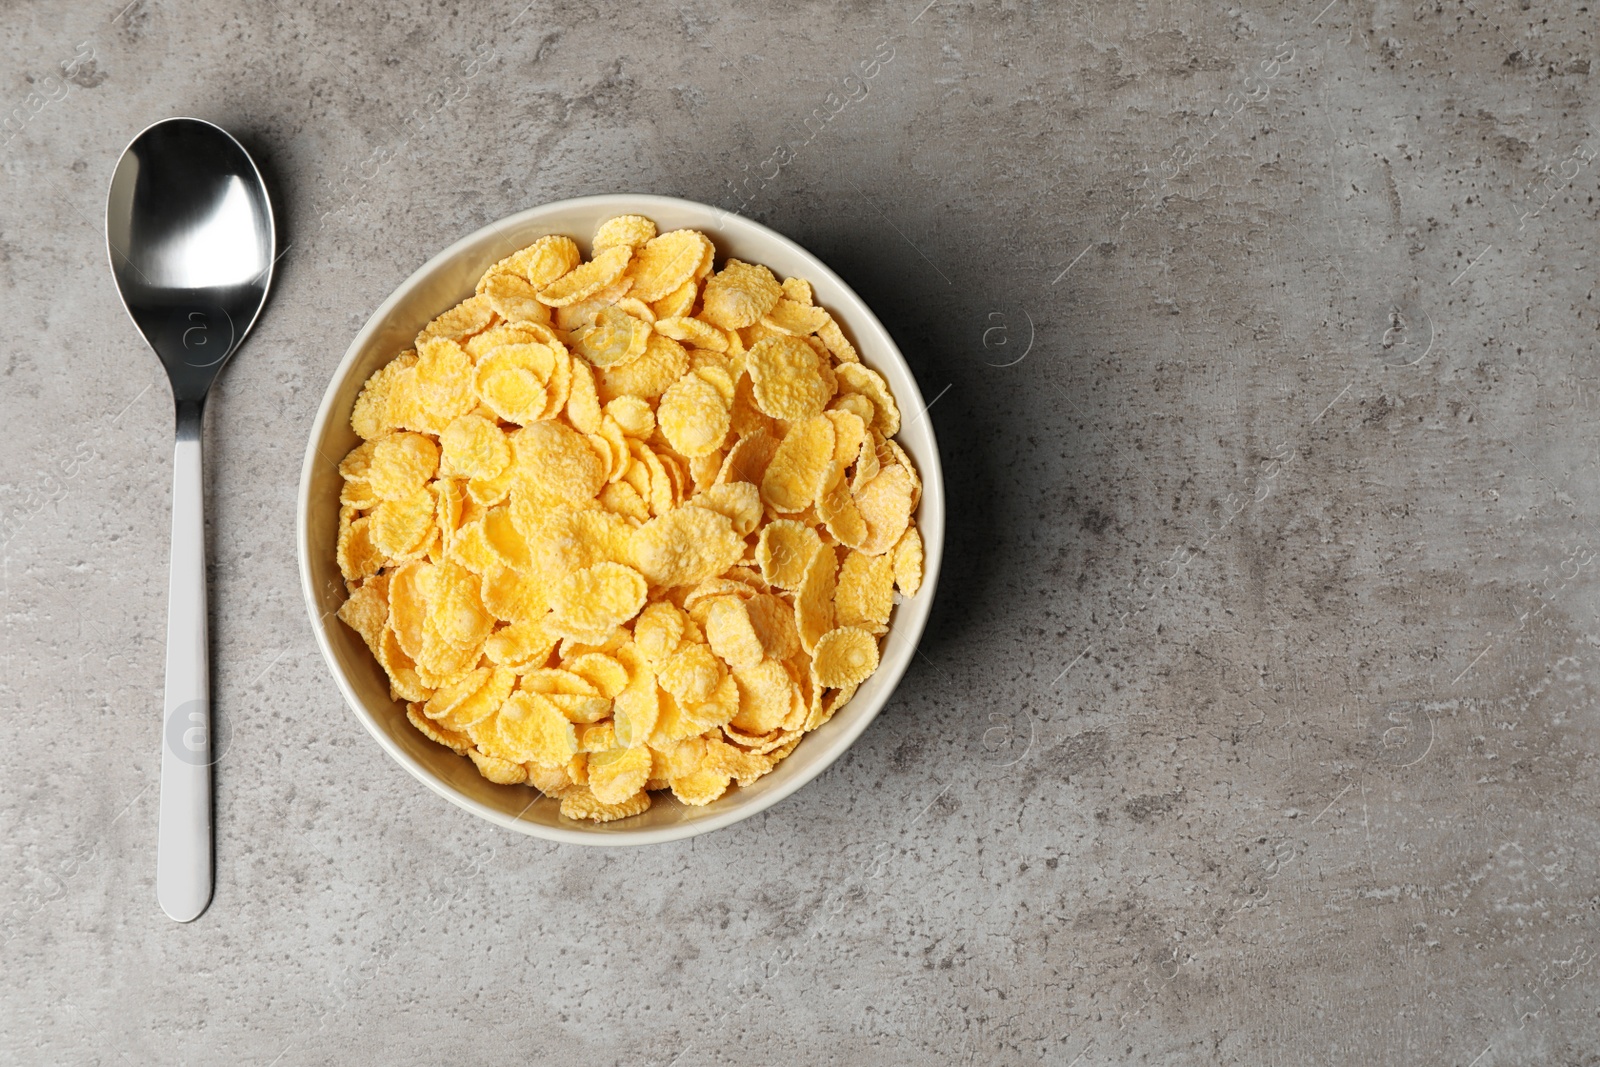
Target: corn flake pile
[[626, 525]]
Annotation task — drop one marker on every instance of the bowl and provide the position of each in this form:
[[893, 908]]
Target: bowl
[[448, 278]]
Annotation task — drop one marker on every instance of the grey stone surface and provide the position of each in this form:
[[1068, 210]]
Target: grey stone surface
[[1257, 723]]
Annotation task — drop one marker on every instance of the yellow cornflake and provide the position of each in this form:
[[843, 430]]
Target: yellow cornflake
[[410, 409], [636, 710], [826, 705], [772, 619], [356, 554], [582, 804], [693, 332], [623, 499], [513, 596], [743, 767], [367, 611], [697, 600], [471, 549], [516, 381], [885, 503], [731, 634], [579, 708], [908, 562], [440, 735], [618, 774], [551, 781], [583, 399], [614, 339], [748, 459], [473, 447], [476, 709], [769, 742], [766, 694], [611, 462], [691, 674], [373, 416], [588, 279], [844, 657], [605, 673], [549, 258], [897, 455], [854, 403], [659, 628], [509, 333], [401, 464], [506, 540], [865, 594], [870, 384], [450, 511], [679, 302], [798, 290], [595, 599], [664, 362], [531, 730], [837, 343], [442, 377], [564, 539], [739, 501], [497, 770], [813, 602], [684, 546], [457, 608], [837, 509], [410, 587], [460, 322], [630, 230], [693, 416], [665, 263], [400, 528], [556, 464], [515, 264], [784, 552], [557, 681], [452, 695], [357, 493], [633, 415], [578, 315], [700, 787], [488, 492], [739, 294], [787, 379], [621, 450], [441, 661], [800, 466], [522, 646], [514, 393], [849, 437], [514, 298], [792, 317], [703, 471]]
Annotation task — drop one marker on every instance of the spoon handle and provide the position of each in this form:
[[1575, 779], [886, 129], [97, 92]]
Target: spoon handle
[[183, 844]]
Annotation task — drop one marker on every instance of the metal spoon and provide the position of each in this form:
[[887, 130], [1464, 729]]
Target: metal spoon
[[189, 229]]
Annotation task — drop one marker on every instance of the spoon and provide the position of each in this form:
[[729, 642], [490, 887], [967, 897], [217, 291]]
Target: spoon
[[190, 234]]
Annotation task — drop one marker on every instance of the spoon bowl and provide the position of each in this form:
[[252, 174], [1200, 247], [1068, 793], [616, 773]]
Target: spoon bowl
[[190, 234]]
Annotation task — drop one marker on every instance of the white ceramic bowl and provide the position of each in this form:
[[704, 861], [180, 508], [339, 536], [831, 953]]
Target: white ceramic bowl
[[449, 277]]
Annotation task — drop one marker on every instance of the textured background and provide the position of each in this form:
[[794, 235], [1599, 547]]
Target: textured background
[[1257, 721]]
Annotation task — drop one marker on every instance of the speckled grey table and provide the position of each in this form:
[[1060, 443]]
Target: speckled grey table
[[1258, 719]]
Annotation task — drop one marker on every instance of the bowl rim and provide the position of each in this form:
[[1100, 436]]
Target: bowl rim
[[907, 629]]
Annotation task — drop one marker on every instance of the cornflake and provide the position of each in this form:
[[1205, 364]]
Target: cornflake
[[629, 524]]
